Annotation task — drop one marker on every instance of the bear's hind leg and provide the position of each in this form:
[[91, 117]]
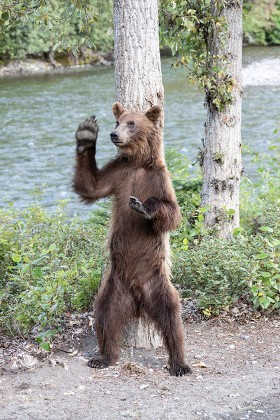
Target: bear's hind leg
[[162, 305], [113, 308]]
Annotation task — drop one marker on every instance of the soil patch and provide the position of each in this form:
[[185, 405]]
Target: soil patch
[[236, 376]]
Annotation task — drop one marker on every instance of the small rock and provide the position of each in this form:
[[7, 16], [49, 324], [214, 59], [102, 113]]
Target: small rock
[[245, 337], [200, 364], [68, 393], [52, 363], [143, 386]]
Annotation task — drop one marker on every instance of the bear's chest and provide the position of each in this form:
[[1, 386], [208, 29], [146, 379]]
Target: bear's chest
[[134, 183]]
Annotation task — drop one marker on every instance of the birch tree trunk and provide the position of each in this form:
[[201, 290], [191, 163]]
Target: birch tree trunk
[[138, 77], [138, 84], [222, 148]]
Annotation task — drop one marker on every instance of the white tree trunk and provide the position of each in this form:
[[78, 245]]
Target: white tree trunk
[[222, 148], [138, 83], [138, 76]]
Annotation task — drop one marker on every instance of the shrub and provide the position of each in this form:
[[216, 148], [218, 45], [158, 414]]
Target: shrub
[[47, 266], [215, 272], [218, 273]]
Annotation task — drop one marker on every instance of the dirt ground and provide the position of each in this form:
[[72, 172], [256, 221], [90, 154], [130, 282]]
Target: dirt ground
[[236, 375]]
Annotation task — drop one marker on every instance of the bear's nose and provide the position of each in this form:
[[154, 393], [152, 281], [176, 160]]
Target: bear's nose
[[114, 137]]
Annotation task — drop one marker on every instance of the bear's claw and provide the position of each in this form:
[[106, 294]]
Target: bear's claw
[[86, 134], [180, 370], [98, 363], [135, 204]]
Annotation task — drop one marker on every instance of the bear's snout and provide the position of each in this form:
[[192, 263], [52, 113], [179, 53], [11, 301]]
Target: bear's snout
[[114, 137]]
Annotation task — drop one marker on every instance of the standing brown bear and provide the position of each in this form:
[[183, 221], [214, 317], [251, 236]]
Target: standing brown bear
[[145, 209]]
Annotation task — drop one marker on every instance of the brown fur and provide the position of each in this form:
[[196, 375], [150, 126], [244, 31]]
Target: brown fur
[[145, 209]]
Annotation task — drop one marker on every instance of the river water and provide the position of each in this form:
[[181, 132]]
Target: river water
[[39, 116]]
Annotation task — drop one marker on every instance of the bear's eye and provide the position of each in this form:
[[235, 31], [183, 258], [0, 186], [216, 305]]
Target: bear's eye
[[130, 124], [117, 124]]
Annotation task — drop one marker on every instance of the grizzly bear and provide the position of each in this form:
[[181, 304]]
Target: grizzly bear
[[137, 282]]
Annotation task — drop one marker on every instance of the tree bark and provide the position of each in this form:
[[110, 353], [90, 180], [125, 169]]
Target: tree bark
[[222, 146], [138, 85], [138, 77]]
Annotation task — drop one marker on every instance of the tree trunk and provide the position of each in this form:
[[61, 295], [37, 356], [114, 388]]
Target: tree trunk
[[222, 148], [138, 83], [138, 76]]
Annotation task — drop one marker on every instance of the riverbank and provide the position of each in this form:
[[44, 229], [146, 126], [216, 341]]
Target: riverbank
[[30, 66], [259, 69]]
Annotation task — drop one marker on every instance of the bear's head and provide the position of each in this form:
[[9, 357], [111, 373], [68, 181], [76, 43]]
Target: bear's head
[[136, 133]]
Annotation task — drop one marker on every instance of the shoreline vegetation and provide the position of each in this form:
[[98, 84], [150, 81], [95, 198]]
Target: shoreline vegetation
[[37, 65], [29, 66]]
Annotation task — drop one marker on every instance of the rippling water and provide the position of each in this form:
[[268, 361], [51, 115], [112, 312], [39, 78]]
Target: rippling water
[[39, 116]]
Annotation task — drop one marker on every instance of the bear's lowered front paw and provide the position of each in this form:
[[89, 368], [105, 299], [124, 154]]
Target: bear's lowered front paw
[[135, 204], [86, 134]]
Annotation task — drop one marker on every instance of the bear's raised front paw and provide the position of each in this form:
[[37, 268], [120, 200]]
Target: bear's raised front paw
[[86, 134], [98, 363], [180, 369], [135, 204]]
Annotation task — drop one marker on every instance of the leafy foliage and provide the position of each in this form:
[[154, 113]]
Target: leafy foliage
[[189, 28], [217, 272], [47, 266], [262, 22], [38, 27]]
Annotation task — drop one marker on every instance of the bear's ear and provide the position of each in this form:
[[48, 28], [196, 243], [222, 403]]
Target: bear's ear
[[118, 109], [154, 113]]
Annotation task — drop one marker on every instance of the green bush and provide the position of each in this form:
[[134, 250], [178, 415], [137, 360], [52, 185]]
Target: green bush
[[214, 272], [67, 25], [218, 273], [261, 23], [48, 266], [55, 25]]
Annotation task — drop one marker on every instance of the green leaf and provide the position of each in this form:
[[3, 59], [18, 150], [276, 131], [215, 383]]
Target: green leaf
[[37, 271], [52, 248], [237, 231], [265, 301], [265, 274], [261, 256], [266, 229], [45, 345], [5, 15], [230, 212], [16, 258]]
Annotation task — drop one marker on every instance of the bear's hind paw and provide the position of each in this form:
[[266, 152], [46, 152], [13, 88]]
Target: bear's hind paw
[[180, 370], [98, 363]]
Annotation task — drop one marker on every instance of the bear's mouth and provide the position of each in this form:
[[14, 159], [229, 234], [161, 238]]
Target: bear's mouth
[[117, 142]]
